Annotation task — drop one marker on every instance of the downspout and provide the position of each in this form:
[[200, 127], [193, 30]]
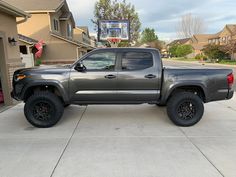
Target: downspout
[[22, 21]]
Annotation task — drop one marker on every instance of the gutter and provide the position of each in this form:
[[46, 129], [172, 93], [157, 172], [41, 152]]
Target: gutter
[[13, 10], [80, 44]]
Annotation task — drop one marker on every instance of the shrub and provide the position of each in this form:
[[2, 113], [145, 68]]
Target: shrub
[[184, 50]]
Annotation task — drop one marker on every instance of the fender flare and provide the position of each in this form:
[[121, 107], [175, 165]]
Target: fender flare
[[172, 87], [53, 83]]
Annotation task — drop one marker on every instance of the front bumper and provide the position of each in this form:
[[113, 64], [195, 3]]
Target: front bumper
[[14, 96]]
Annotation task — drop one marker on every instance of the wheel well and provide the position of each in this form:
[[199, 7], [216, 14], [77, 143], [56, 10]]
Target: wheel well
[[31, 90], [193, 89]]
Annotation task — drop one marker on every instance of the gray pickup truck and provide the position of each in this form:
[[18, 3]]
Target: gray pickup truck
[[119, 76]]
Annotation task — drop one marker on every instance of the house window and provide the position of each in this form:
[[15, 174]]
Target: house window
[[23, 49], [55, 25], [69, 30]]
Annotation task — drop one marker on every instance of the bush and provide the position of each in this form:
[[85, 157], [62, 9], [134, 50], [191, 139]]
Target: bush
[[184, 50], [215, 52], [200, 57]]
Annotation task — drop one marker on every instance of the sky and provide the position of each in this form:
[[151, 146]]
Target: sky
[[164, 15]]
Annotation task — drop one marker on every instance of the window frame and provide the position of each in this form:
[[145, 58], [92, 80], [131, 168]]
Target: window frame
[[56, 24], [69, 30], [104, 70], [127, 70]]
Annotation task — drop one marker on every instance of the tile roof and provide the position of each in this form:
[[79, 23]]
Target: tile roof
[[203, 37], [36, 5], [180, 41]]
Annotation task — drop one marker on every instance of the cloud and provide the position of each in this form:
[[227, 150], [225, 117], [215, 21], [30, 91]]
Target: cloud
[[164, 15]]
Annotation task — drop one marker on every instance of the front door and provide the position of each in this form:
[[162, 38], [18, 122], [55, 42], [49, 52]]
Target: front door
[[138, 78], [97, 82]]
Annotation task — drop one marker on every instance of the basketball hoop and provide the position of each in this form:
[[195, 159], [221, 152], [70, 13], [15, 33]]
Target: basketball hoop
[[114, 41]]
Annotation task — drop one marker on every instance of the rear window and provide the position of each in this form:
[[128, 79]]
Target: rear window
[[136, 60]]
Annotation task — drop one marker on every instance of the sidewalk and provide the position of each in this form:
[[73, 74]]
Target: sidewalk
[[120, 141]]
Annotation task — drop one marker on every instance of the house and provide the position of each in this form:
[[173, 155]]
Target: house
[[224, 37], [93, 41], [184, 41], [199, 41], [52, 22], [81, 34], [10, 59]]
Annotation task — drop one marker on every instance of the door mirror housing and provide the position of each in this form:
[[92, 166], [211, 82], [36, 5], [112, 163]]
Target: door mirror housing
[[80, 67]]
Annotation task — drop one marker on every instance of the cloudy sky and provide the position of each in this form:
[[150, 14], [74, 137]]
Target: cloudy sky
[[163, 15]]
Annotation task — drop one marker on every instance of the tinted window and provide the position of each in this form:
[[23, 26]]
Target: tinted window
[[100, 61], [136, 60]]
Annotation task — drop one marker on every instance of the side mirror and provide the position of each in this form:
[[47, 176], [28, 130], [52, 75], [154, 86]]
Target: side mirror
[[80, 67]]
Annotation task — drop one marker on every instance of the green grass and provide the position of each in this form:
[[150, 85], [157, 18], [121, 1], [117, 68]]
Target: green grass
[[184, 59], [227, 62]]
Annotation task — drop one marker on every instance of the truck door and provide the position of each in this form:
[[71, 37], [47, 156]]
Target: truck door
[[138, 77], [97, 83]]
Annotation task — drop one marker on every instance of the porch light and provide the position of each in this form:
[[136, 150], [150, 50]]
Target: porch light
[[12, 41]]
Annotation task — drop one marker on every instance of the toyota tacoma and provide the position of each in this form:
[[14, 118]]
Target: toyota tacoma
[[119, 76]]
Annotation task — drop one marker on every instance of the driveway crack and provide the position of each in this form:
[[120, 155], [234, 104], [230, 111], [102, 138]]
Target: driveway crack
[[68, 142], [201, 152]]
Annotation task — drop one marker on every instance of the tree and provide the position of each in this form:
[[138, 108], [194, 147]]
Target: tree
[[172, 50], [180, 50], [214, 52], [148, 35], [114, 10], [230, 48], [183, 50], [190, 25]]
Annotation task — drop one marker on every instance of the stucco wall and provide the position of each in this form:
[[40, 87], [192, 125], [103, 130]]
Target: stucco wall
[[10, 55], [55, 50], [36, 27]]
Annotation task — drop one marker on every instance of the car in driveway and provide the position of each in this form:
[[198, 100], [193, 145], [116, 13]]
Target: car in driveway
[[119, 76]]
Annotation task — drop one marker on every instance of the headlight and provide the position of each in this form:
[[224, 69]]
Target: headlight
[[19, 77]]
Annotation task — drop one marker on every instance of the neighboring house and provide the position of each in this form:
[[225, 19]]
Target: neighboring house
[[81, 34], [93, 41], [10, 59], [199, 41], [26, 45], [184, 41], [224, 37], [52, 22]]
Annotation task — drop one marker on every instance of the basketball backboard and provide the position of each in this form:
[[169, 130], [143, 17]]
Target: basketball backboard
[[113, 29]]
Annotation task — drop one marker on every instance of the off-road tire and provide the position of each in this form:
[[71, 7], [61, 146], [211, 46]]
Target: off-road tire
[[185, 109], [43, 109]]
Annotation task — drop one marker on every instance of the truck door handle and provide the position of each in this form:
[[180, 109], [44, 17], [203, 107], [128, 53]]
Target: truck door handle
[[150, 76], [110, 76]]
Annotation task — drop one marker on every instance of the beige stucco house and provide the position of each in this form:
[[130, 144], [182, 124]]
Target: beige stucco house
[[52, 22], [224, 37], [10, 59], [199, 41]]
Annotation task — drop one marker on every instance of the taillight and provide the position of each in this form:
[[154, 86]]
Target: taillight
[[230, 79]]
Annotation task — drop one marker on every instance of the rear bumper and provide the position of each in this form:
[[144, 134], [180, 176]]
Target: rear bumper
[[230, 94]]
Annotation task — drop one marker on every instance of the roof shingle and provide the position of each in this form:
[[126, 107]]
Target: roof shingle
[[36, 5]]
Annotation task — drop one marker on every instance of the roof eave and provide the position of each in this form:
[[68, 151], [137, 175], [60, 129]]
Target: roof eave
[[13, 10]]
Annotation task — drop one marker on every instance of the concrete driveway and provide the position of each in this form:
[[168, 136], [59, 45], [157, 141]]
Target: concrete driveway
[[120, 141]]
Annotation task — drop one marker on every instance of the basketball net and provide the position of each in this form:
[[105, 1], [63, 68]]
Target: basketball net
[[114, 41]]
